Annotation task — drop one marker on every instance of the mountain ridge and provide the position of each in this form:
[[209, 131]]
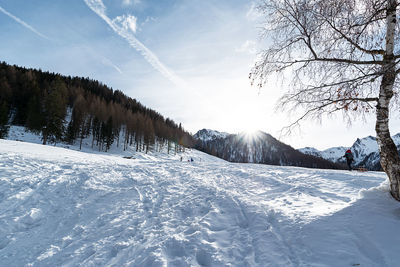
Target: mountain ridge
[[365, 151], [259, 147]]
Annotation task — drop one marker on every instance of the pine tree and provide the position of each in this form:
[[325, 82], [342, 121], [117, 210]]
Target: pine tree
[[109, 135], [4, 115], [54, 111], [96, 125], [148, 133], [35, 121], [77, 125]]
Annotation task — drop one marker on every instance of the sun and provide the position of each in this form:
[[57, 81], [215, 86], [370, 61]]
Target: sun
[[251, 132], [251, 127]]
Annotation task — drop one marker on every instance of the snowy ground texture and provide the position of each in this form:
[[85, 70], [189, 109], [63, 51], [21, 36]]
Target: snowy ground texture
[[60, 207]]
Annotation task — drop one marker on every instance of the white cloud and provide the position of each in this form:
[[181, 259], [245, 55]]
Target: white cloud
[[120, 28], [248, 47], [128, 22], [23, 23]]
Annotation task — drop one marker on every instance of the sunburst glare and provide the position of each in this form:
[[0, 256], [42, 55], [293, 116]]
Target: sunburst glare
[[251, 135]]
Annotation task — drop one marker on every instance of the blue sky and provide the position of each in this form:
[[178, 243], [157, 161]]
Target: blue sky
[[188, 60]]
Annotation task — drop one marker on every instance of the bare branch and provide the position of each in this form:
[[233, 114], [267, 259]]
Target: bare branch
[[355, 44]]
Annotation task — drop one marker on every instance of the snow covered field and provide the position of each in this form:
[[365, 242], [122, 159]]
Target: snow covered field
[[60, 207]]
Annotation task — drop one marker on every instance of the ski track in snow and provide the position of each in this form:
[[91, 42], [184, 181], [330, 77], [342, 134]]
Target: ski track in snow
[[60, 207]]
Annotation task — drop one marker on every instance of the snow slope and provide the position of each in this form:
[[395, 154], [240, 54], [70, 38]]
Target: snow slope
[[60, 207]]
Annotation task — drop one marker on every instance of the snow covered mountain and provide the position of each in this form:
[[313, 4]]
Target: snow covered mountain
[[206, 135], [258, 147], [310, 151], [365, 151], [333, 154], [60, 207]]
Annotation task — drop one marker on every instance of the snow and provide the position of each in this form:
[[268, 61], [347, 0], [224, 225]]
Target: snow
[[18, 133], [334, 154], [60, 207], [310, 151], [396, 139], [209, 135], [364, 147]]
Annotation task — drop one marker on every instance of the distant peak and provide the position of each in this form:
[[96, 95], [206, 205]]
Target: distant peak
[[208, 134]]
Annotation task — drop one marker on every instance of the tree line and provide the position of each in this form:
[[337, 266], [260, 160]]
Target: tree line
[[70, 109]]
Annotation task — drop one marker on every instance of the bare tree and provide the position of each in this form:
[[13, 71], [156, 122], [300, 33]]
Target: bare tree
[[342, 55]]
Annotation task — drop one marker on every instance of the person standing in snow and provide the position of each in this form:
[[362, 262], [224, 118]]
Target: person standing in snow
[[349, 158]]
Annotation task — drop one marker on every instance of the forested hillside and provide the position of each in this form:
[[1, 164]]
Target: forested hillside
[[257, 148], [69, 109]]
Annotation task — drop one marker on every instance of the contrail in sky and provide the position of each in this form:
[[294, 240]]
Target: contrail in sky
[[108, 62], [99, 8], [104, 60], [23, 23]]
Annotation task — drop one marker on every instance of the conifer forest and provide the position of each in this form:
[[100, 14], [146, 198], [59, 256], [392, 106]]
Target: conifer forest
[[71, 109]]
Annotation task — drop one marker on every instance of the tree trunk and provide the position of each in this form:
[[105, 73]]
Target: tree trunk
[[390, 159], [80, 143], [44, 138]]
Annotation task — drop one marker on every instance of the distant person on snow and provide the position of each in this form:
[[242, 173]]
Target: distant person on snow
[[349, 158], [191, 159]]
